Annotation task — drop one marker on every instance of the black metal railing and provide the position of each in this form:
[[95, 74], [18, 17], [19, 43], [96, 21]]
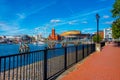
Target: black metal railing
[[102, 44], [42, 64]]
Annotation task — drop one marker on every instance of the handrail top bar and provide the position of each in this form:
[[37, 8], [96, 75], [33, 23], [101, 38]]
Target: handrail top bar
[[20, 54], [37, 51]]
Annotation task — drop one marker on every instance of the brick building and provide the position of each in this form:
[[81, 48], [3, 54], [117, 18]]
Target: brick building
[[101, 33], [54, 36]]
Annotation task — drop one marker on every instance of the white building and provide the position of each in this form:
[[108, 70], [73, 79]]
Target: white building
[[37, 37], [108, 33], [10, 37]]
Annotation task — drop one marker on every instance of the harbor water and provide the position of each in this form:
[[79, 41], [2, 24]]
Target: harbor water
[[10, 49]]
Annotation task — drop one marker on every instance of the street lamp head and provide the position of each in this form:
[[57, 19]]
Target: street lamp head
[[97, 16]]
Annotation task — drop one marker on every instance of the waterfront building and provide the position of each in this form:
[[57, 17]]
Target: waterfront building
[[17, 39], [38, 37], [108, 34], [10, 37], [26, 38], [1, 39], [101, 34], [54, 36], [74, 35]]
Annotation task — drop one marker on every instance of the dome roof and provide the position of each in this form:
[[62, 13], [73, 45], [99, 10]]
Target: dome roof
[[73, 32]]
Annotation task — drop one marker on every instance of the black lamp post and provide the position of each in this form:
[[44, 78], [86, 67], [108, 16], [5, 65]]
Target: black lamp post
[[97, 18]]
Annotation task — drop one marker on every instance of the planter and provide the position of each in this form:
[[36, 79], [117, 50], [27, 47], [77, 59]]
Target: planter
[[98, 47]]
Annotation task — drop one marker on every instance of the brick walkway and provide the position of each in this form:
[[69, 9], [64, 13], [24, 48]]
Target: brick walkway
[[104, 65]]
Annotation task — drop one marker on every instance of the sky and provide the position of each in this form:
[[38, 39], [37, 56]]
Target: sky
[[34, 17]]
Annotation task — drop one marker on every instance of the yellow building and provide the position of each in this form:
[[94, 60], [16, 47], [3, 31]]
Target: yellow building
[[74, 34]]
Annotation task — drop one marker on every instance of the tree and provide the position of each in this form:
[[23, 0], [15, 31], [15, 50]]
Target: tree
[[116, 29], [116, 9], [95, 38], [116, 23]]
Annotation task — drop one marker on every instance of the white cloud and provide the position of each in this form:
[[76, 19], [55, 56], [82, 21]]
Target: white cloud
[[74, 19], [84, 22], [38, 8], [93, 12], [21, 16], [88, 30], [32, 10], [106, 16], [72, 22], [108, 22], [55, 20], [17, 31], [37, 28], [6, 27], [10, 29]]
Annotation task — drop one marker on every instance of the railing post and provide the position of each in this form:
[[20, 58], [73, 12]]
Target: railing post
[[94, 47], [76, 51], [65, 63], [45, 64], [0, 68], [87, 50], [90, 48], [83, 50]]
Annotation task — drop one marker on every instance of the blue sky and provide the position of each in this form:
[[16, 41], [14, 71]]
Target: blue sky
[[40, 16]]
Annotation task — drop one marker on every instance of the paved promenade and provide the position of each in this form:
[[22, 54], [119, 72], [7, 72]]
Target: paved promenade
[[104, 65]]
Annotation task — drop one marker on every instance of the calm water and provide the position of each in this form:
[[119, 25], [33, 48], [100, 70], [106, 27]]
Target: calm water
[[8, 49]]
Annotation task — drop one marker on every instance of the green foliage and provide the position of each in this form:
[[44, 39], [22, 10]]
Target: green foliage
[[95, 38], [116, 29], [116, 9], [116, 23]]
